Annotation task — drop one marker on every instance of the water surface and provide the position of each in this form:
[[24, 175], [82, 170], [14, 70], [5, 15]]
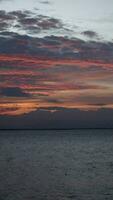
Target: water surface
[[56, 165]]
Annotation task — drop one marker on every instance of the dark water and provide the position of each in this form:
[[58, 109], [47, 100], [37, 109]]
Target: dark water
[[56, 165]]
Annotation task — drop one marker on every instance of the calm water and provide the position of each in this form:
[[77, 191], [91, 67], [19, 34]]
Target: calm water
[[56, 165]]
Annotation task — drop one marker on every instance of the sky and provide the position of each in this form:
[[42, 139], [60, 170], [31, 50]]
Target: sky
[[56, 64]]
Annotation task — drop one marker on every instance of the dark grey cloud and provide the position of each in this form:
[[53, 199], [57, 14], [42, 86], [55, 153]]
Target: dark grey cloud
[[90, 34], [13, 92], [39, 23], [20, 14], [6, 16], [56, 47], [4, 26], [29, 21], [5, 20]]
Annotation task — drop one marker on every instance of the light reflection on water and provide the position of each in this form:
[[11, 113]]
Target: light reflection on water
[[56, 165]]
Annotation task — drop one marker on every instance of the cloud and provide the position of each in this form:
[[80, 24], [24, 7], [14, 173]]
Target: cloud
[[57, 47], [52, 100], [62, 119], [56, 71], [90, 34], [6, 16], [39, 24], [5, 20], [4, 26], [12, 92], [29, 22]]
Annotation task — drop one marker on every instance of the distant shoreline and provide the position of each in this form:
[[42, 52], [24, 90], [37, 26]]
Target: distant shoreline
[[52, 129]]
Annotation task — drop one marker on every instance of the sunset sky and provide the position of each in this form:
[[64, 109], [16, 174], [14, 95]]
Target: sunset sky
[[56, 64]]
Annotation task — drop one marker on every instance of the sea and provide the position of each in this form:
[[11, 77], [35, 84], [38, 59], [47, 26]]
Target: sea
[[56, 164]]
